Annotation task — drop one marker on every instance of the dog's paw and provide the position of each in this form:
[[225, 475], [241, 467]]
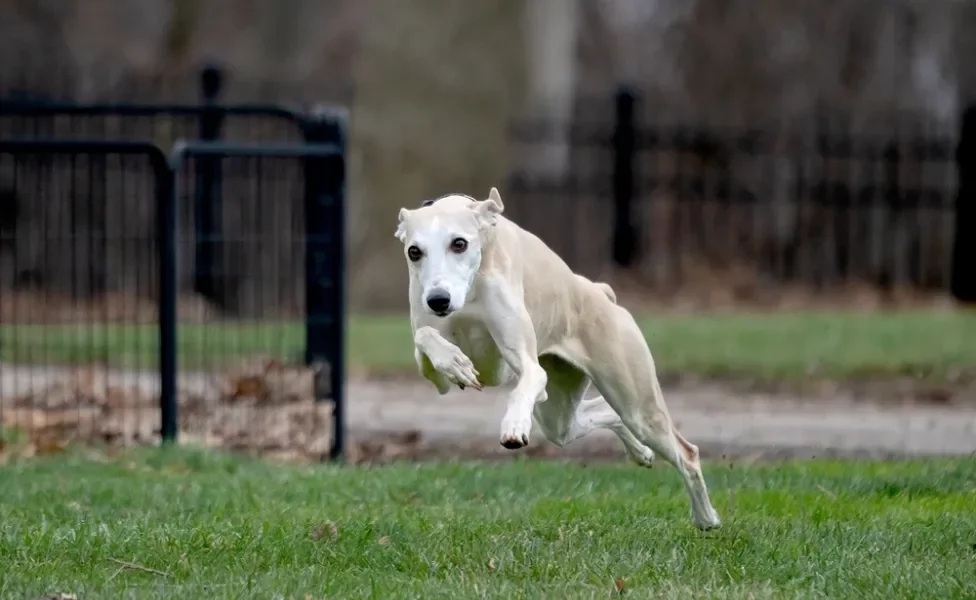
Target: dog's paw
[[515, 432], [643, 456], [465, 376], [457, 368], [707, 521]]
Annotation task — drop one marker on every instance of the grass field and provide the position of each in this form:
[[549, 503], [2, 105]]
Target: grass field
[[184, 524], [930, 345]]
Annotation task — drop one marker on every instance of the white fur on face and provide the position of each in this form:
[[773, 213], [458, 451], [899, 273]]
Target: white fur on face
[[441, 269]]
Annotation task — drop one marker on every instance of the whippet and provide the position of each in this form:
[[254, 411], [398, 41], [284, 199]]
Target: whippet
[[491, 303]]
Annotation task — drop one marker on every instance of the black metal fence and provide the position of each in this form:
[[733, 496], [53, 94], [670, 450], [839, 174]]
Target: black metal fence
[[815, 204], [212, 218], [96, 219]]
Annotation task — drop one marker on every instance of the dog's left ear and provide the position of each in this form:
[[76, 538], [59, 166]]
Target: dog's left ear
[[488, 210], [401, 230]]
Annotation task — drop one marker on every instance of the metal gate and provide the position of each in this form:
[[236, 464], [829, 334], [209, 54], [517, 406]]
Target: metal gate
[[40, 170]]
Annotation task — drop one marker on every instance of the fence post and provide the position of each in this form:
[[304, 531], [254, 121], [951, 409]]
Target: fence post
[[892, 203], [963, 276], [208, 192], [624, 158], [166, 224], [325, 265]]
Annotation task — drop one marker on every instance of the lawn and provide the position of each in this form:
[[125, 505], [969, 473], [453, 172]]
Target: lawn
[[926, 344], [154, 523]]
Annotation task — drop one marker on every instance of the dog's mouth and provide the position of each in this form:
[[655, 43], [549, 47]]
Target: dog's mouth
[[443, 313]]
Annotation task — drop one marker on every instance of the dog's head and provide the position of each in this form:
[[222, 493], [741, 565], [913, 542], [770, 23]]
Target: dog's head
[[443, 241]]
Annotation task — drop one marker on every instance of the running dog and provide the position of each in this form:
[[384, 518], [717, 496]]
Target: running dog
[[490, 303]]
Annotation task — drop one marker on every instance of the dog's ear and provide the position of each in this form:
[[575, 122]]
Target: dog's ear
[[488, 210], [495, 198], [401, 230]]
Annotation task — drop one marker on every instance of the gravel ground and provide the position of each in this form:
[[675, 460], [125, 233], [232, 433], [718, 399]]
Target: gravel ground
[[720, 422], [413, 417]]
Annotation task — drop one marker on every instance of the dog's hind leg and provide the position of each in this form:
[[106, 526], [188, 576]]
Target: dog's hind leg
[[650, 424], [598, 413], [561, 427], [628, 380], [567, 415]]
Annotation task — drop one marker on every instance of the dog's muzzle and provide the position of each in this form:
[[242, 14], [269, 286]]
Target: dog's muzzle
[[439, 302]]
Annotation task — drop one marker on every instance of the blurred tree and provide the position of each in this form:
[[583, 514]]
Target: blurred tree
[[436, 84], [551, 27], [438, 80]]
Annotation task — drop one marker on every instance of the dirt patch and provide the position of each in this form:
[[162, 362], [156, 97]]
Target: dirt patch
[[261, 406]]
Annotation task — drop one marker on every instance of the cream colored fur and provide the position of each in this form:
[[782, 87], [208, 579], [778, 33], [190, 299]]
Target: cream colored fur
[[517, 313]]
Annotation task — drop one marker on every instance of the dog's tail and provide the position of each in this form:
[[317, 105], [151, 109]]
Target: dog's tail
[[606, 289]]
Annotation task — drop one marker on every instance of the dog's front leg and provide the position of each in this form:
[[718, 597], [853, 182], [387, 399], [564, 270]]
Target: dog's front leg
[[441, 362], [514, 334]]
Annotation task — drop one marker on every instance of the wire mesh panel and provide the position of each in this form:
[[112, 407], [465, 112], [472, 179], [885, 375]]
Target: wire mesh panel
[[164, 125], [79, 290], [251, 375]]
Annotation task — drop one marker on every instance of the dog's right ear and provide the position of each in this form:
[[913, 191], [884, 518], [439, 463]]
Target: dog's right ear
[[401, 231]]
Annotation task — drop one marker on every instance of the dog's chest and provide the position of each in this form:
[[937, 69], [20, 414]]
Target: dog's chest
[[473, 338]]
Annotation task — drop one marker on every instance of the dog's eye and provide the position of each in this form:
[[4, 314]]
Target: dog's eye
[[459, 245], [414, 253]]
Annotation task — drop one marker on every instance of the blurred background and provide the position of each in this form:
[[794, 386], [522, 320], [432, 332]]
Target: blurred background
[[715, 161]]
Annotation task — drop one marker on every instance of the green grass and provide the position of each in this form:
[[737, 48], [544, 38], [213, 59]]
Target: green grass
[[930, 345], [214, 526]]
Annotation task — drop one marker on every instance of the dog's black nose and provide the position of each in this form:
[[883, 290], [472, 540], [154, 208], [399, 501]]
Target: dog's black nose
[[439, 301]]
